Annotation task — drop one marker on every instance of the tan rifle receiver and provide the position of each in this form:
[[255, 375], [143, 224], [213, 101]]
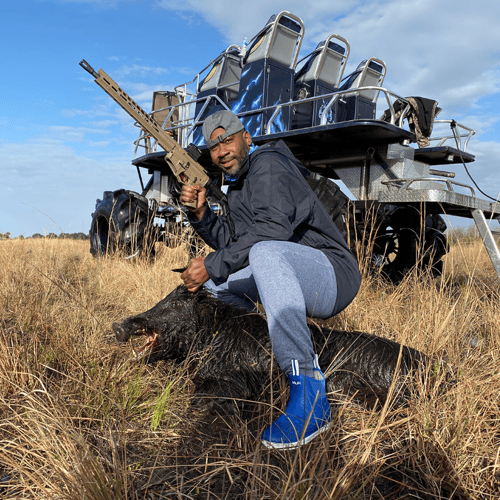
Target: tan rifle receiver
[[185, 168]]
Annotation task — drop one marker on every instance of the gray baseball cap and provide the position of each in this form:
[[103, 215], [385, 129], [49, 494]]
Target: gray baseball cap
[[225, 119]]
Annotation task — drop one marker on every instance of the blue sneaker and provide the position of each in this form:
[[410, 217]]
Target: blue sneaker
[[307, 414]]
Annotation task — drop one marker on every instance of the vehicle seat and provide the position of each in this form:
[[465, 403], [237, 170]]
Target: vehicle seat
[[224, 76], [165, 114], [220, 85], [362, 104], [268, 72], [320, 74]]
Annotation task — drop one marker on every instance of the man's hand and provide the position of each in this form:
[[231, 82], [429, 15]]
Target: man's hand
[[195, 274], [196, 194]]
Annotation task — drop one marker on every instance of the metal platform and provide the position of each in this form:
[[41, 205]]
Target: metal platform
[[452, 203], [435, 201], [442, 155], [329, 141], [326, 140], [441, 201], [311, 143]]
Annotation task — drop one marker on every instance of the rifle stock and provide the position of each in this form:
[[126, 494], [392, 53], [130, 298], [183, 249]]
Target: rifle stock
[[184, 167]]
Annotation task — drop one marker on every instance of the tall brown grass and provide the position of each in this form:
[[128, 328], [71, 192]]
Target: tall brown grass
[[80, 420]]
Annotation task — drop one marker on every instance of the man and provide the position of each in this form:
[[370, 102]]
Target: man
[[277, 245]]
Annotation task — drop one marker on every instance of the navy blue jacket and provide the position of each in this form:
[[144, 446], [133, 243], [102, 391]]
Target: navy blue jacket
[[271, 200]]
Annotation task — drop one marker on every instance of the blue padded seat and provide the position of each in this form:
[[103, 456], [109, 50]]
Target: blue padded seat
[[320, 75], [268, 72], [362, 104], [223, 81]]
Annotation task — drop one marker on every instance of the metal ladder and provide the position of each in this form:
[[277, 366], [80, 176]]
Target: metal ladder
[[488, 239]]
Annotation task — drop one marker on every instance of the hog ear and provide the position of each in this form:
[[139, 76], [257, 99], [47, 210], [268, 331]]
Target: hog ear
[[203, 309]]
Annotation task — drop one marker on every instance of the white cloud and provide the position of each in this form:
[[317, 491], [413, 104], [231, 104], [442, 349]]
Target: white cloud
[[236, 20], [446, 50], [98, 126], [48, 185]]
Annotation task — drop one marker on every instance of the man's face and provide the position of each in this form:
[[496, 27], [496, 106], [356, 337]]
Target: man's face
[[229, 154]]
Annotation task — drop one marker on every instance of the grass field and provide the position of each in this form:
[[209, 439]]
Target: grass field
[[79, 419]]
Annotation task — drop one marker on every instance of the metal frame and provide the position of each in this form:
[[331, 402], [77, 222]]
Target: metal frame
[[344, 57], [455, 134], [363, 74], [186, 121], [404, 184], [488, 240], [273, 36], [400, 191]]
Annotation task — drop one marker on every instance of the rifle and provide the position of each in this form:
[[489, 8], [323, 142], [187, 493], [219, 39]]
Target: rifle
[[184, 166]]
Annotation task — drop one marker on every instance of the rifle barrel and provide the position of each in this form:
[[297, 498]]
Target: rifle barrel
[[87, 67]]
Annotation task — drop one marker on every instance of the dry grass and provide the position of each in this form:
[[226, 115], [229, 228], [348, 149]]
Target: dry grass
[[79, 420]]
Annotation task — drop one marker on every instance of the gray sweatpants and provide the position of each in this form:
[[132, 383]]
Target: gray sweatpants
[[291, 281]]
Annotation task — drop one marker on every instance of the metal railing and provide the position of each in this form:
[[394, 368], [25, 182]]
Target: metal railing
[[184, 127], [404, 184], [455, 135]]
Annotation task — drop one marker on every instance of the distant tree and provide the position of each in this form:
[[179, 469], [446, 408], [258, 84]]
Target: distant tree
[[61, 236], [4, 236], [460, 234]]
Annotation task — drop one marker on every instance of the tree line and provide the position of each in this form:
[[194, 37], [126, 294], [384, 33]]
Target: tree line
[[61, 236]]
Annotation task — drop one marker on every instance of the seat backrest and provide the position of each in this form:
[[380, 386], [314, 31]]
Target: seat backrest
[[279, 40], [267, 75], [370, 72], [326, 63], [161, 108], [220, 85], [225, 73]]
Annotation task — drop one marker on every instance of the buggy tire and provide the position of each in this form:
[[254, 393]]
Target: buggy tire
[[435, 244], [332, 198], [395, 247], [401, 244], [122, 222]]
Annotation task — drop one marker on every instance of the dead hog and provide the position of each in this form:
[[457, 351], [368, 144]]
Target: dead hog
[[231, 351]]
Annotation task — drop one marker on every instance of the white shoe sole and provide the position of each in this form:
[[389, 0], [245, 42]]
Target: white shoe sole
[[296, 444]]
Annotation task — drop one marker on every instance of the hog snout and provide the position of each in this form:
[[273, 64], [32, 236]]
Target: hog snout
[[120, 333]]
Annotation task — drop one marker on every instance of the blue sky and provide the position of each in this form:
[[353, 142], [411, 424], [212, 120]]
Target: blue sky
[[63, 141]]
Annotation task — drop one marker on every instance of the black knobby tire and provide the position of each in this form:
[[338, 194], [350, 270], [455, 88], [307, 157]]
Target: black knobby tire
[[435, 244], [389, 239], [396, 244], [332, 198], [122, 222], [400, 243]]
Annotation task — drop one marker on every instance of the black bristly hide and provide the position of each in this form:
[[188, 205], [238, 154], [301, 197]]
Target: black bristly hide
[[231, 351]]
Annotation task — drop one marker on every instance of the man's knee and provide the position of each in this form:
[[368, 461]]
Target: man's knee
[[264, 250]]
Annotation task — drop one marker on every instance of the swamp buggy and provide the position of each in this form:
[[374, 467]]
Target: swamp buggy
[[388, 164]]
